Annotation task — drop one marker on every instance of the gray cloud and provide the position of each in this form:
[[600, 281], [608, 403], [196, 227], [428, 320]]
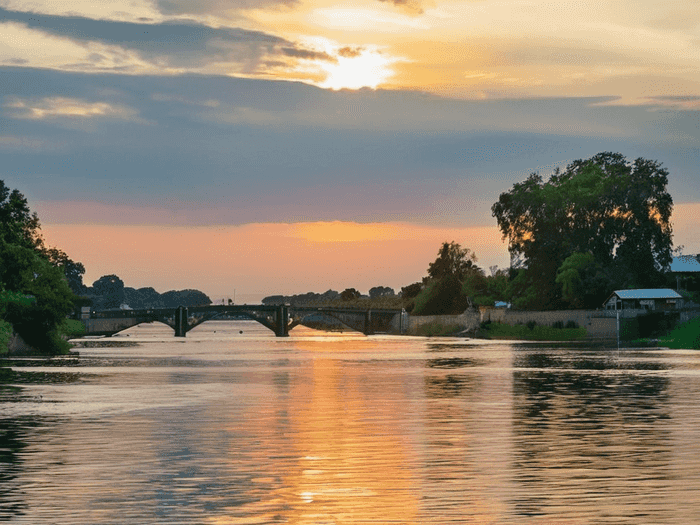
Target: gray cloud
[[269, 151], [182, 44]]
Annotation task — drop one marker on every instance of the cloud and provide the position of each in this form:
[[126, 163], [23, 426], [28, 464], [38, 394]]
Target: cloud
[[63, 107], [215, 7], [170, 47], [411, 6]]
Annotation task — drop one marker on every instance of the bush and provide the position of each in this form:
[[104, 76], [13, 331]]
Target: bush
[[5, 335], [72, 328], [685, 336]]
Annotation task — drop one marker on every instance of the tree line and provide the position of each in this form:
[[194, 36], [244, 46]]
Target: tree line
[[598, 225]]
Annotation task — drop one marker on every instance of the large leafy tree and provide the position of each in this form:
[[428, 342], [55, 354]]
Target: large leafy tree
[[452, 261], [442, 293], [616, 211], [29, 269]]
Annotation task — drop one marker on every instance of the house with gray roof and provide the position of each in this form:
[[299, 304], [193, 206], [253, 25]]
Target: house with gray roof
[[644, 299]]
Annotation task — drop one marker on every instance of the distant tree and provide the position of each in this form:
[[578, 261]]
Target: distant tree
[[175, 298], [349, 294], [617, 211], [380, 291], [111, 290]]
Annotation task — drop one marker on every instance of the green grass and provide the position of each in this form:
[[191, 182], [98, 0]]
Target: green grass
[[685, 336], [536, 333], [438, 329], [5, 335], [72, 328]]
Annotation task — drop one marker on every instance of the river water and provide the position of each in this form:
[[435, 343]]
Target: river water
[[235, 426]]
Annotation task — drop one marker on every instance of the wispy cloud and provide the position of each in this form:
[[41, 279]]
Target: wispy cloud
[[64, 107]]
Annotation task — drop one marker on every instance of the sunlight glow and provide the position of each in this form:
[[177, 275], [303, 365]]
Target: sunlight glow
[[367, 68]]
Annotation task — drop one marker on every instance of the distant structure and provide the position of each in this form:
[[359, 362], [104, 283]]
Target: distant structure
[[685, 266], [644, 299]]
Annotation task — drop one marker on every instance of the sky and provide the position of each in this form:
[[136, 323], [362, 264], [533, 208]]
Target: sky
[[260, 147]]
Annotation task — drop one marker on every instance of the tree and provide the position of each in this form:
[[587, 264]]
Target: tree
[[442, 293], [616, 211], [73, 271], [111, 290], [24, 271], [349, 294], [452, 261], [380, 291], [18, 225]]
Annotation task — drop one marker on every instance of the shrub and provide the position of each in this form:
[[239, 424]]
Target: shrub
[[685, 336]]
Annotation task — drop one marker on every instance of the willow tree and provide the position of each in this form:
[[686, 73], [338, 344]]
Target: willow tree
[[617, 211]]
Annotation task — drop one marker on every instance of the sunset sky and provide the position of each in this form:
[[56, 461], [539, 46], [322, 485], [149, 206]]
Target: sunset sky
[[282, 146]]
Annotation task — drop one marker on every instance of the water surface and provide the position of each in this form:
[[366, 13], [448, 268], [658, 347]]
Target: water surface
[[235, 426]]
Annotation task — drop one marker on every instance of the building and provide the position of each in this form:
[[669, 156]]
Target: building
[[644, 299], [686, 268]]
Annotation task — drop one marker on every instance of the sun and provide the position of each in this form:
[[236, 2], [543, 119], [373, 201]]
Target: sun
[[360, 69]]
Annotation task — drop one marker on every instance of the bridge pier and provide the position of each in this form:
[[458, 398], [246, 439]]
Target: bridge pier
[[282, 325], [181, 321], [368, 323]]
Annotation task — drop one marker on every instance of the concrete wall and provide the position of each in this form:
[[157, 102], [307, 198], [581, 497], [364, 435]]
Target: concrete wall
[[469, 320], [596, 324]]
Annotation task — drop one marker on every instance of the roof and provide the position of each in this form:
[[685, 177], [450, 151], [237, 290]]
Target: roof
[[685, 263], [648, 293]]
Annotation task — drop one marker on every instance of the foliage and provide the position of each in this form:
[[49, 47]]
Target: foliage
[[18, 225], [349, 294], [380, 291], [28, 268], [532, 333], [437, 329], [24, 271], [412, 290], [71, 328], [73, 271], [440, 297], [616, 211], [485, 290], [5, 335], [110, 289], [175, 298], [685, 336], [452, 261]]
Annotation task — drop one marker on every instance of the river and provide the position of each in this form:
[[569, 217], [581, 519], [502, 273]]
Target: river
[[234, 426]]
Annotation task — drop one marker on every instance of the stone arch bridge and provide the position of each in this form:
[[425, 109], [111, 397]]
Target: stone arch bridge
[[280, 319]]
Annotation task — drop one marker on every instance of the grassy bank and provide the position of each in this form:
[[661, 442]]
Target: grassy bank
[[71, 328], [530, 332], [438, 329], [684, 336]]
